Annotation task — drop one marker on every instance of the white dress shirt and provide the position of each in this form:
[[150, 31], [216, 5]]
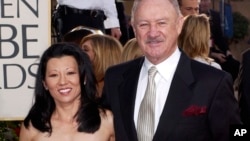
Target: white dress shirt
[[108, 6], [163, 80]]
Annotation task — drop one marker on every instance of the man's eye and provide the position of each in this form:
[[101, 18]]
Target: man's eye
[[143, 25], [162, 23]]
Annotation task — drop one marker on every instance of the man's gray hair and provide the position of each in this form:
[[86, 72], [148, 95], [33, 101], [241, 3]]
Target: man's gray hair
[[137, 2], [180, 2]]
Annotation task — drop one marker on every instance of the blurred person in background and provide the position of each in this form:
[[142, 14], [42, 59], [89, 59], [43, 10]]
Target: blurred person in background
[[131, 50], [104, 51], [189, 7], [194, 39], [219, 46], [244, 87], [76, 34], [99, 14]]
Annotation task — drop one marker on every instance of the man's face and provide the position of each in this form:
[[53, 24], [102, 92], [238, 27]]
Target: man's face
[[205, 5], [189, 7], [157, 29]]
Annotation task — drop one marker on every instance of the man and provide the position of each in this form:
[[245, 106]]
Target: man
[[244, 89], [219, 46], [189, 7], [193, 100], [97, 14]]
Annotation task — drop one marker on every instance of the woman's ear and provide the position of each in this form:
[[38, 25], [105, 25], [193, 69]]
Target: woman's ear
[[85, 80], [45, 86]]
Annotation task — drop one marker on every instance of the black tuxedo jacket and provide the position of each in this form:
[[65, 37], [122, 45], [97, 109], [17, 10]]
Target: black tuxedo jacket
[[200, 105], [244, 88]]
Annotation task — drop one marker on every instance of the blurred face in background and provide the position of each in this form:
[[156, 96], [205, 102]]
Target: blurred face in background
[[87, 47], [205, 5], [189, 7]]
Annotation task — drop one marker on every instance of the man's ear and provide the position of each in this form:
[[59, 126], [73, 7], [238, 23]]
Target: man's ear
[[133, 27], [179, 23]]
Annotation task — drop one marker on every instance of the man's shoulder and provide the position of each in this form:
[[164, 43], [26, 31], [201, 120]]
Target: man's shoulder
[[207, 70], [197, 65]]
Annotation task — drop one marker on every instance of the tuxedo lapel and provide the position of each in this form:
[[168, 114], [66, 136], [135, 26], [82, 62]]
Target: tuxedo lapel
[[127, 97], [178, 99]]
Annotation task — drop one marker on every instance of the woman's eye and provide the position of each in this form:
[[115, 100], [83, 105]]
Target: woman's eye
[[52, 75], [71, 72]]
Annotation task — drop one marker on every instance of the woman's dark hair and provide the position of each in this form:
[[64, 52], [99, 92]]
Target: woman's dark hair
[[88, 114]]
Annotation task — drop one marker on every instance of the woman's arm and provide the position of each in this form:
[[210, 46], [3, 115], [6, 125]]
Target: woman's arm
[[110, 124], [26, 134]]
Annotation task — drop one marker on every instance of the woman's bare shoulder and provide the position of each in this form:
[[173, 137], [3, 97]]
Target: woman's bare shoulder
[[106, 114], [107, 118], [107, 123], [27, 133]]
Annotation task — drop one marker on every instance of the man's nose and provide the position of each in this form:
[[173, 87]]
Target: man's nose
[[153, 30]]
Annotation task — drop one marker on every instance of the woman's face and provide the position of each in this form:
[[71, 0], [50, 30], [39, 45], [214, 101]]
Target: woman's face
[[62, 79], [88, 48]]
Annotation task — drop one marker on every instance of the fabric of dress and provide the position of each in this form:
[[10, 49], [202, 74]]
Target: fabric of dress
[[212, 63]]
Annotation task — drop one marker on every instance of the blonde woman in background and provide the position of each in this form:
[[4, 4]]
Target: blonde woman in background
[[104, 51], [131, 50], [194, 39]]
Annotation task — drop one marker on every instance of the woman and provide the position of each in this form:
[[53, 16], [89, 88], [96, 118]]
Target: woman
[[131, 50], [194, 39], [104, 51], [65, 106]]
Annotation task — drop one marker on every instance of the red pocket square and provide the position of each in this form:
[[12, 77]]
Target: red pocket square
[[194, 110]]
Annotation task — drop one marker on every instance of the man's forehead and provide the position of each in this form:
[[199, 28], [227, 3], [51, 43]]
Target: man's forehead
[[205, 0], [190, 1]]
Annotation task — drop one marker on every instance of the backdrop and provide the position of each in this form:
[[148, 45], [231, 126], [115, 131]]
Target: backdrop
[[24, 35]]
